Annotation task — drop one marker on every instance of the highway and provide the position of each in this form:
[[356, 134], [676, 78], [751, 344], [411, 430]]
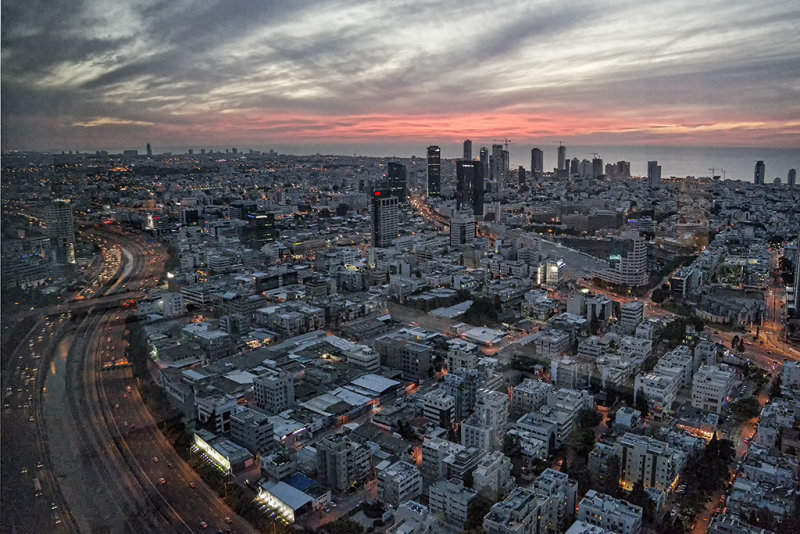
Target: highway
[[98, 441]]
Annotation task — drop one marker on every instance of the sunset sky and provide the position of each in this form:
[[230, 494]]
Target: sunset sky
[[113, 73]]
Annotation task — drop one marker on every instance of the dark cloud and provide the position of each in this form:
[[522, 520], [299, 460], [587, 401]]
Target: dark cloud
[[176, 63]]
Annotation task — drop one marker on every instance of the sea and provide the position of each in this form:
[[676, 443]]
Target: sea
[[733, 163]]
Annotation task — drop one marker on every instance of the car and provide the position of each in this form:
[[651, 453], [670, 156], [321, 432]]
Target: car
[[192, 485], [228, 520], [203, 524], [53, 506], [155, 459], [171, 465], [133, 425], [162, 481]]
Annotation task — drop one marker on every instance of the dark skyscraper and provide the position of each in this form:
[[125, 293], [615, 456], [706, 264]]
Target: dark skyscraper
[[469, 186], [385, 219], [434, 171], [521, 174], [396, 180], [758, 173], [484, 157], [149, 150], [653, 174], [597, 168], [562, 157], [791, 179], [467, 150], [537, 162], [575, 166]]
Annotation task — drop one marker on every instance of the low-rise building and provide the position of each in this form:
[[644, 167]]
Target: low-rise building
[[647, 460], [252, 429], [560, 495], [519, 513], [609, 513], [492, 478], [450, 500], [399, 483], [711, 387]]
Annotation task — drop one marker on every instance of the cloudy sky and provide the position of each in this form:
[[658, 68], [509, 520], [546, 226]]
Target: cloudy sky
[[116, 73]]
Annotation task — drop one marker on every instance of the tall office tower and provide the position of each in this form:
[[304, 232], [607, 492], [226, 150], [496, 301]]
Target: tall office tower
[[597, 168], [575, 166], [562, 157], [758, 173], [385, 219], [149, 150], [537, 162], [467, 150], [434, 171], [61, 229], [653, 174], [521, 174], [497, 167], [469, 186], [792, 178], [462, 228], [624, 169], [484, 157], [396, 180]]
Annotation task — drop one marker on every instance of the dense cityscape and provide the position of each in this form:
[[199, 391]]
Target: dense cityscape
[[252, 341], [399, 267]]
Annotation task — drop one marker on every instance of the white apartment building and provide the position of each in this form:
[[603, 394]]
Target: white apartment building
[[530, 394], [564, 405], [519, 513], [660, 390], [439, 408], [629, 265], [560, 495], [364, 357], [450, 500], [434, 453], [274, 391], [647, 460], [790, 377], [612, 514], [711, 387], [680, 361], [492, 478], [550, 343], [631, 315], [399, 483]]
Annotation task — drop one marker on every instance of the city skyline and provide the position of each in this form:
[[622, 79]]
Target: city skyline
[[185, 74]]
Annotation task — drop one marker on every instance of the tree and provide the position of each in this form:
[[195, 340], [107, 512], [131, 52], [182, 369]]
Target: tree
[[342, 209], [734, 342], [325, 213], [641, 404], [479, 508], [746, 408], [659, 295], [589, 418]]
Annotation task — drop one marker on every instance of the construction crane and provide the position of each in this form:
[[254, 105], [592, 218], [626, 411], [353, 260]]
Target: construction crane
[[595, 155], [506, 141], [714, 172]]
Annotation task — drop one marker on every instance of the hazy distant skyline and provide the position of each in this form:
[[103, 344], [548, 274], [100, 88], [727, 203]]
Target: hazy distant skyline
[[106, 74]]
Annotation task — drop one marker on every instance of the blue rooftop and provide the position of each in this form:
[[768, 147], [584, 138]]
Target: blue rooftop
[[300, 481]]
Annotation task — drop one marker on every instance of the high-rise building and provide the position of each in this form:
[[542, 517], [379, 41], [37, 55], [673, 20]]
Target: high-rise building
[[396, 181], [562, 157], [597, 168], [624, 169], [484, 157], [575, 166], [469, 186], [653, 174], [497, 170], [521, 174], [467, 150], [792, 178], [758, 173], [149, 150], [61, 229], [537, 162], [462, 228], [434, 171], [385, 219], [627, 261]]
